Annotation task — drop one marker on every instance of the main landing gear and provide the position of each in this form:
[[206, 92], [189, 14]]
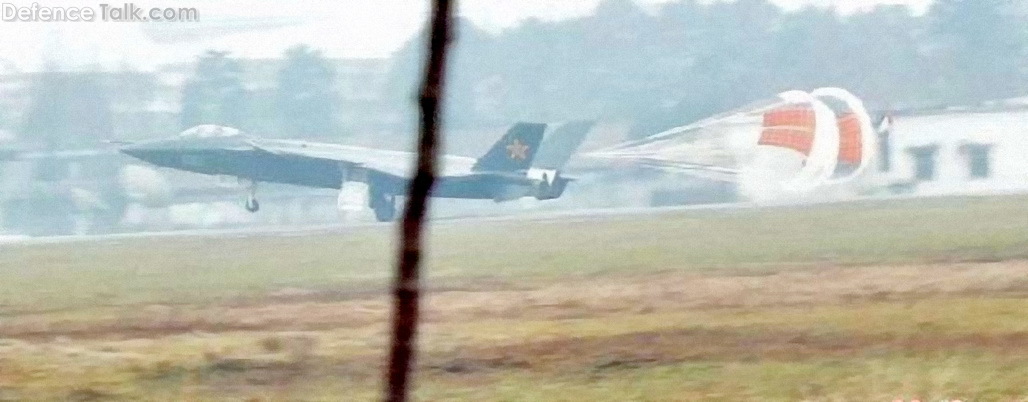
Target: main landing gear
[[251, 200], [383, 204]]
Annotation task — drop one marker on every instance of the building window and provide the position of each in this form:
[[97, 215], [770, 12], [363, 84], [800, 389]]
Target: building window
[[979, 161], [924, 162]]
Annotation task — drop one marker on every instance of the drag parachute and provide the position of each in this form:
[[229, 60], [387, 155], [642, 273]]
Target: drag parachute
[[857, 137], [787, 144]]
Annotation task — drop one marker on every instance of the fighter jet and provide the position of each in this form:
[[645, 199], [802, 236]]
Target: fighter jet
[[504, 173]]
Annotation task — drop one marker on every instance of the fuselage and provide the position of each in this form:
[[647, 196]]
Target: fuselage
[[237, 156]]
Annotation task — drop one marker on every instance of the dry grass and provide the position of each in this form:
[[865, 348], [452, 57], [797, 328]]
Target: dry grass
[[654, 317], [543, 300], [597, 330], [201, 270]]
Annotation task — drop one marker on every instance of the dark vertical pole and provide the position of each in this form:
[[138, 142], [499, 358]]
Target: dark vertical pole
[[407, 282]]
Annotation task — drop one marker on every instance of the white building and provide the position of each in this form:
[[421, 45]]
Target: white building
[[958, 152]]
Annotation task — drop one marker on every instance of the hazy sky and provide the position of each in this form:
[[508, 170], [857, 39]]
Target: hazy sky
[[342, 28]]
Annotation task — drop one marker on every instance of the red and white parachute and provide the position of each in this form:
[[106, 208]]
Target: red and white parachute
[[858, 140], [792, 143]]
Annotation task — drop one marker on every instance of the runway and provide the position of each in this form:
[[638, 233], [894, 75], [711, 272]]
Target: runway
[[563, 216]]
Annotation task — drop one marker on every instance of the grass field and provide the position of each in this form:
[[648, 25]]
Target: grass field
[[870, 301]]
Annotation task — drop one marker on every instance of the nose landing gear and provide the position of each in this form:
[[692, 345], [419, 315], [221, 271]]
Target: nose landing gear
[[251, 201], [252, 205]]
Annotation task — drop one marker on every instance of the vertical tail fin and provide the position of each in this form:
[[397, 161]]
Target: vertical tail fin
[[515, 151], [560, 145]]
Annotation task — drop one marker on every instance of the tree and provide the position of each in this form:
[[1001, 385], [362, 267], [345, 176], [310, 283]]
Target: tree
[[623, 43], [306, 97], [695, 58], [885, 65], [215, 94], [980, 46], [68, 110], [474, 59]]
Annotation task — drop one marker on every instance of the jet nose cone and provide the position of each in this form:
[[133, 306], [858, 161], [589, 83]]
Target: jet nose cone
[[159, 152], [140, 150]]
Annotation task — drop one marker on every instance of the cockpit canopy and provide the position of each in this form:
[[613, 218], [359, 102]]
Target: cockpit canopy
[[209, 131]]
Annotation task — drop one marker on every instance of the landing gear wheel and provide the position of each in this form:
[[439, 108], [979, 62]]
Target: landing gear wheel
[[544, 187], [385, 214], [252, 205], [251, 200], [384, 206]]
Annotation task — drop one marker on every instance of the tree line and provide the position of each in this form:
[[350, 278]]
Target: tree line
[[691, 59], [70, 110], [658, 68]]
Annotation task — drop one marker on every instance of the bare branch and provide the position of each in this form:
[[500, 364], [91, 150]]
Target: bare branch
[[406, 287]]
